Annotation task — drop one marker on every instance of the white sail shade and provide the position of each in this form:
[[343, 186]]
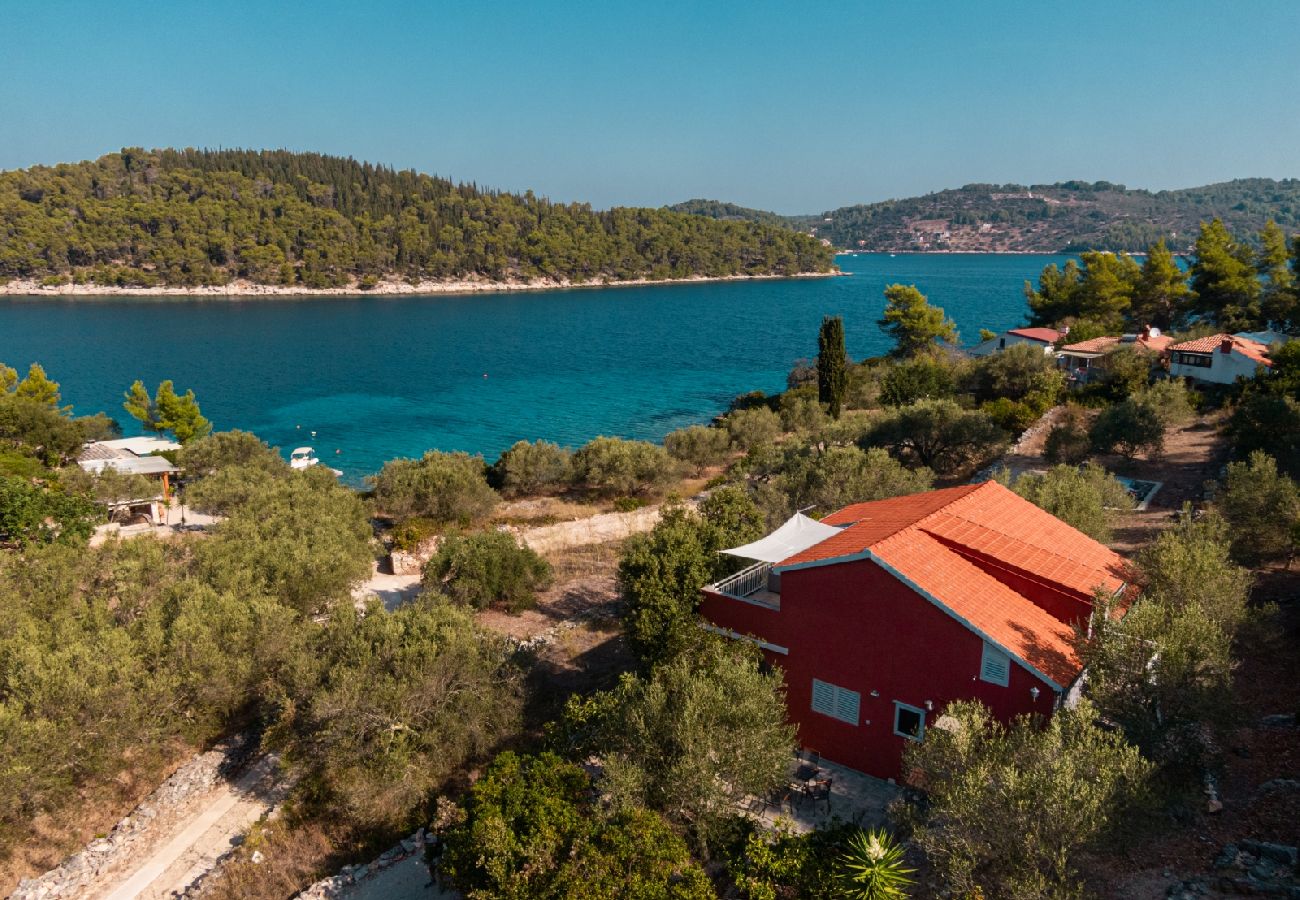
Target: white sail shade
[[795, 536]]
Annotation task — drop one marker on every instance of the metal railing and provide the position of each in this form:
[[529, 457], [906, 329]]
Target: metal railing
[[745, 582]]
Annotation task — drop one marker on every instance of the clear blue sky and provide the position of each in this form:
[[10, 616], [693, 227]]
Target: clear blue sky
[[791, 106]]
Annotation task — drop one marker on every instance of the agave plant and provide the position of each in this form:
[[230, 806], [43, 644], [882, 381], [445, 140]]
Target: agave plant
[[872, 868]]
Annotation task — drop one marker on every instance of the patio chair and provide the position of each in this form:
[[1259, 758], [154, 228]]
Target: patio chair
[[820, 790]]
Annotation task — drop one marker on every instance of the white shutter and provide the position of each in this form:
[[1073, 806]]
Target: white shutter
[[846, 705], [823, 698], [836, 702], [995, 666]]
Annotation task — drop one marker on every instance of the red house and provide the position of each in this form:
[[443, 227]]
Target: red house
[[882, 613]]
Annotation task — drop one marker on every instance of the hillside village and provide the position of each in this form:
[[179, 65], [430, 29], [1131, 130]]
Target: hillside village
[[1015, 620]]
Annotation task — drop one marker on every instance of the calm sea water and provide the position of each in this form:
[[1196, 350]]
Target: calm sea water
[[377, 378]]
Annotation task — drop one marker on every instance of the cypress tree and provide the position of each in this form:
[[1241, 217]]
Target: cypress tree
[[832, 364]]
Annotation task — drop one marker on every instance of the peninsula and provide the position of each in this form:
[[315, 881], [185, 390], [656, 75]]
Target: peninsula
[[213, 222]]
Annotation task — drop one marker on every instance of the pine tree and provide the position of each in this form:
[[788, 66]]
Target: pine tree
[[1273, 264], [913, 323], [832, 365], [1161, 293], [1224, 281]]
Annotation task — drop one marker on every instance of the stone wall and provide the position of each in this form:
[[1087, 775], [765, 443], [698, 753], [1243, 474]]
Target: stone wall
[[598, 529], [136, 833]]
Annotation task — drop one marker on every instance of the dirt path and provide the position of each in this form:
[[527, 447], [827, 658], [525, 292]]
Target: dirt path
[[215, 824]]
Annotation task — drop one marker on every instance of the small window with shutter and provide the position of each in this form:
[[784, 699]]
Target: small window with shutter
[[995, 666], [836, 702]]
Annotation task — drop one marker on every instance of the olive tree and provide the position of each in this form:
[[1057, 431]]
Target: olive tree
[[700, 446], [1086, 497], [532, 468], [613, 467], [449, 488], [487, 568], [1010, 806]]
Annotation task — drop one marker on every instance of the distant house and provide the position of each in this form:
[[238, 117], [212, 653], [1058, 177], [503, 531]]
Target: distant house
[[134, 456], [883, 613], [1218, 359], [1039, 337], [1081, 360]]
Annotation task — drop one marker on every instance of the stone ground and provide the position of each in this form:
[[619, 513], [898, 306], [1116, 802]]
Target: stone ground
[[855, 798]]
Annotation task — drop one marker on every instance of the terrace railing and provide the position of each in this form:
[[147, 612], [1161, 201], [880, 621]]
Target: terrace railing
[[749, 580]]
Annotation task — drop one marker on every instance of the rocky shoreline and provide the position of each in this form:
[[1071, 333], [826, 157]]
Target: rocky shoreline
[[241, 289]]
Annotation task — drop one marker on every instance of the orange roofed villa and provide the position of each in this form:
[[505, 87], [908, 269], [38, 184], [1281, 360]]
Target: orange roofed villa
[[884, 612]]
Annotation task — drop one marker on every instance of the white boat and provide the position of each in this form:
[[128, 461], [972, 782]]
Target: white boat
[[303, 458]]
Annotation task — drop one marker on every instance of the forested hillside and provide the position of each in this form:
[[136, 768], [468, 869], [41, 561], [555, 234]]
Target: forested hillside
[[1068, 216], [201, 217], [717, 209]]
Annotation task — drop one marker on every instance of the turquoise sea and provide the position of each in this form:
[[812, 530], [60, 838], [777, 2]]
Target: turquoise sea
[[382, 377]]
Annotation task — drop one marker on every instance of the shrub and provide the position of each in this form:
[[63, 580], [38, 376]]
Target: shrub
[[938, 434], [34, 514], [1268, 423], [801, 411], [872, 868], [411, 533], [532, 468], [1010, 415], [379, 708], [661, 571], [1127, 428], [786, 864], [1170, 399], [304, 539], [610, 467], [1068, 442], [1085, 498], [530, 829], [1021, 372], [923, 378], [450, 488], [750, 428], [487, 568], [1262, 506], [1009, 806], [691, 737], [699, 445], [227, 449], [829, 479]]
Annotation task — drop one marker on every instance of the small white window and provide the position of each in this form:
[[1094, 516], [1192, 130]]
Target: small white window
[[995, 666], [909, 721], [836, 702]]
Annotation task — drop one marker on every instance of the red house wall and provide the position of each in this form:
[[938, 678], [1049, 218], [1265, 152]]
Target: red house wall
[[856, 626]]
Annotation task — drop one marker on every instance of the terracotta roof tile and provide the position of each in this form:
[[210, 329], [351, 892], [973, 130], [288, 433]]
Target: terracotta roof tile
[[916, 535], [1103, 344], [1046, 335], [1212, 344]]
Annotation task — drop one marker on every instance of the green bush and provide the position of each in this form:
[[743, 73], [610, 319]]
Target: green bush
[[527, 469], [450, 488], [487, 568], [531, 829], [939, 435], [1170, 399], [800, 410], [1127, 428], [922, 378], [1086, 497], [411, 533], [1010, 415], [988, 786], [32, 513], [1021, 372], [610, 467], [699, 445], [380, 708], [1262, 506], [750, 428], [227, 449], [1068, 442], [826, 480]]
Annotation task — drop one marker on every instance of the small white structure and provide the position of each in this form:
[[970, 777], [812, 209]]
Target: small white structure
[[131, 456], [1218, 359], [1039, 337], [303, 458]]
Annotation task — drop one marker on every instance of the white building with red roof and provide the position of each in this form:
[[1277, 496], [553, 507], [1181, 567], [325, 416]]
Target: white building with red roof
[[1082, 358], [1044, 338], [1218, 359], [884, 612]]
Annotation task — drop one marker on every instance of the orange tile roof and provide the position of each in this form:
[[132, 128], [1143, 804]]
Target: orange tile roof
[[1046, 335], [1248, 348], [1105, 343], [916, 535]]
